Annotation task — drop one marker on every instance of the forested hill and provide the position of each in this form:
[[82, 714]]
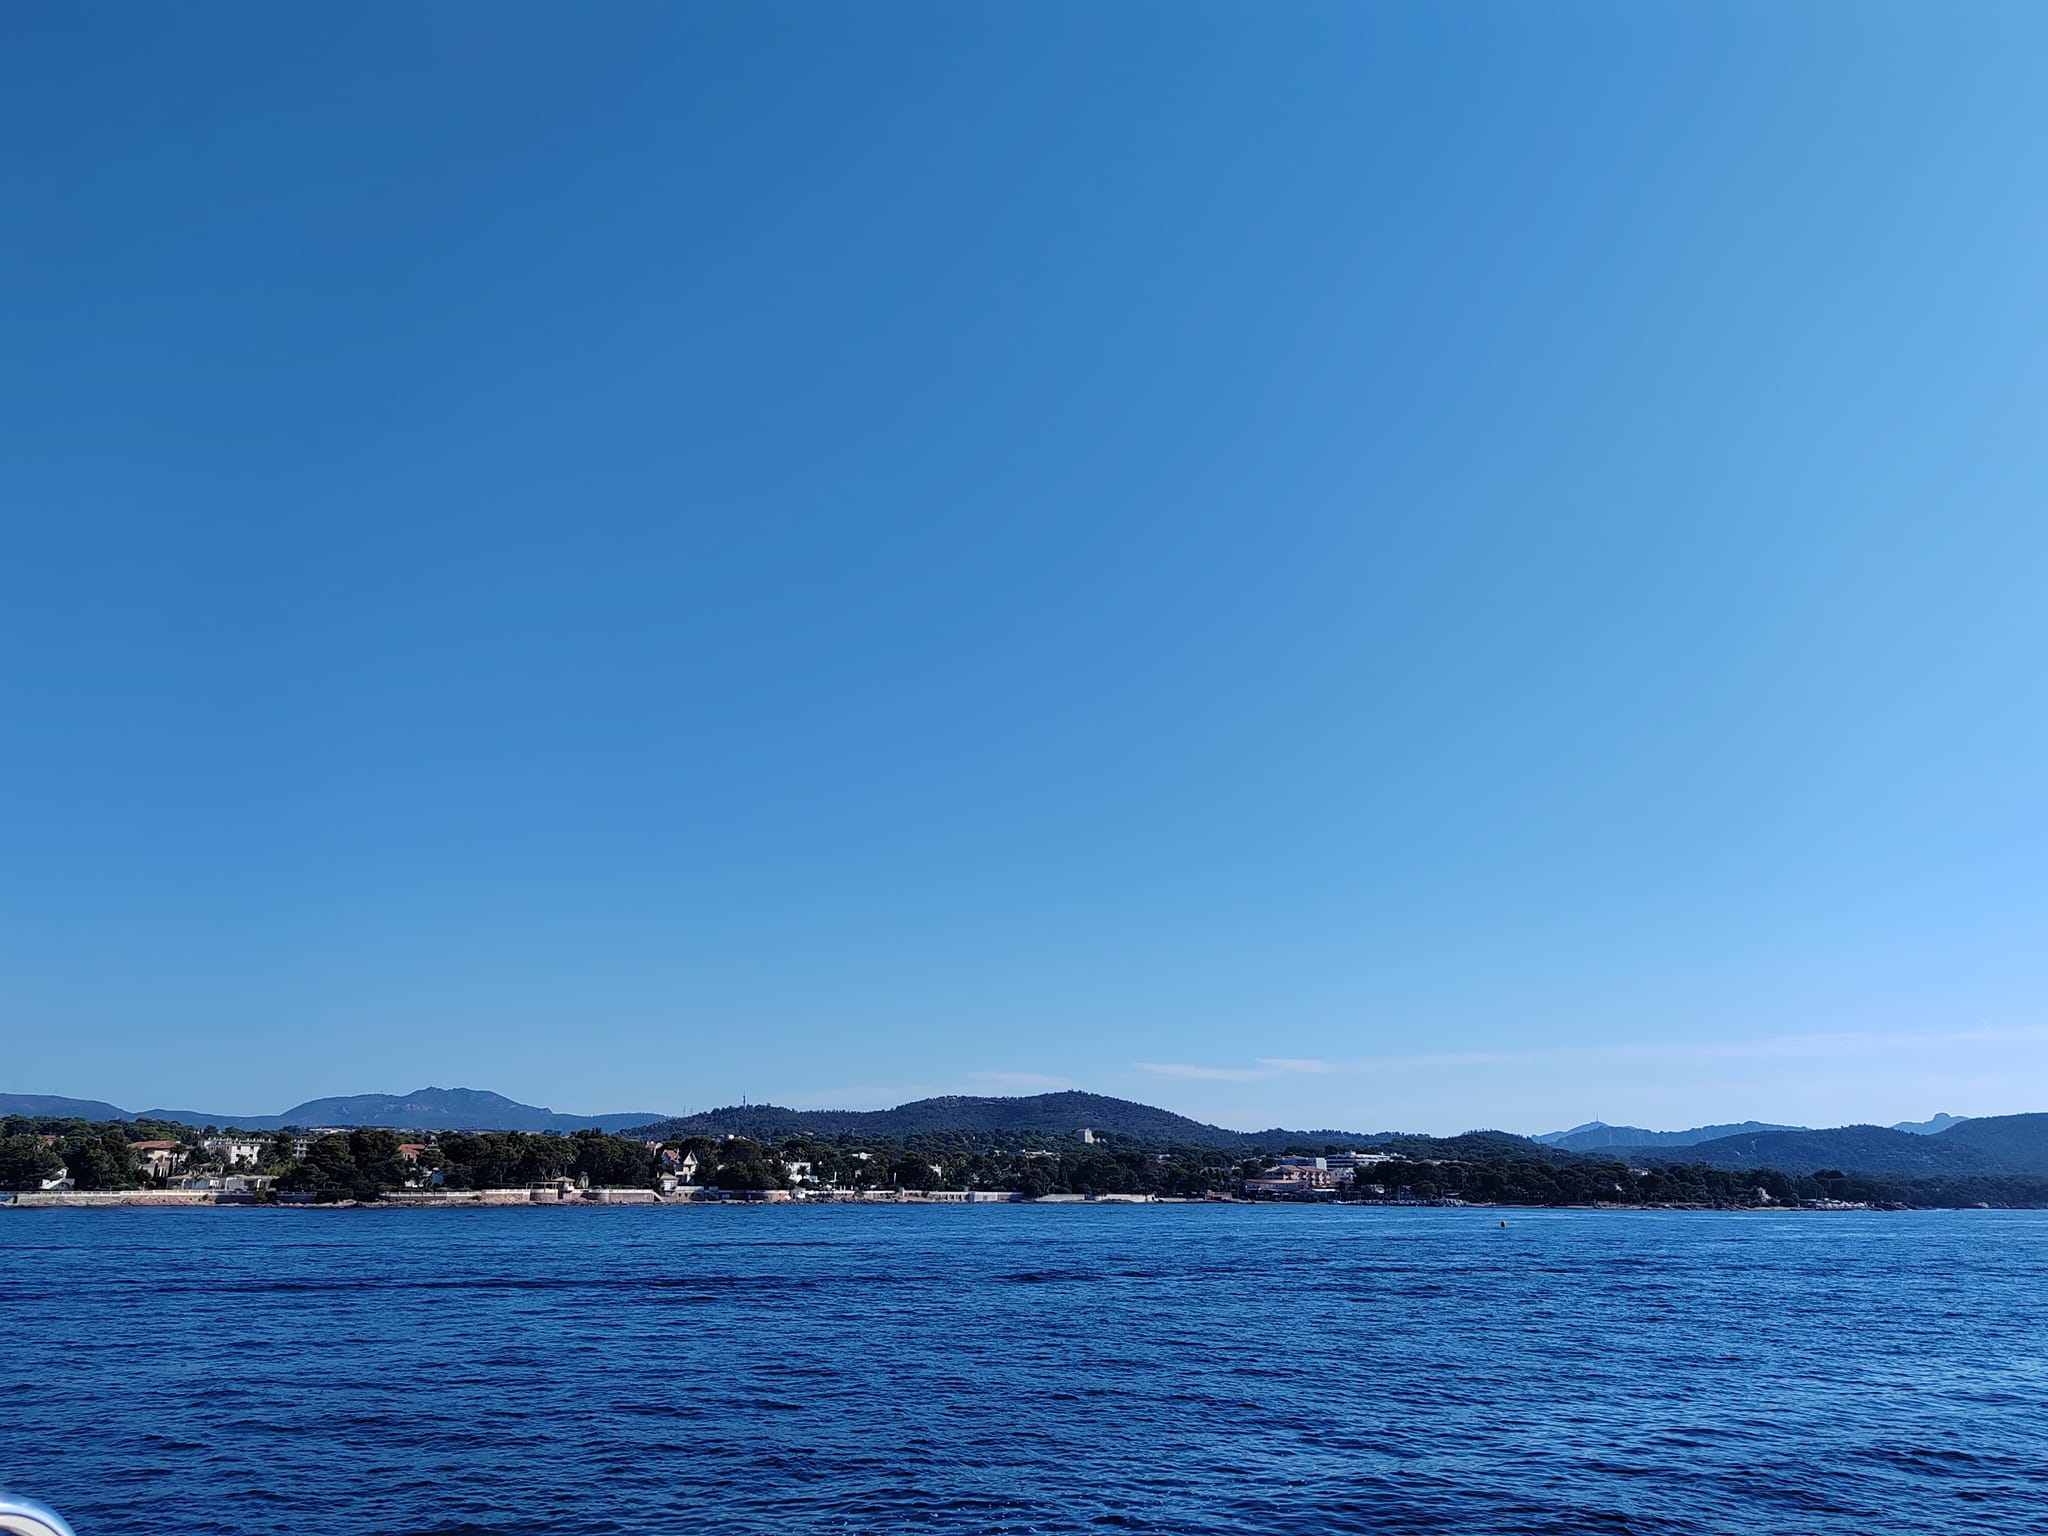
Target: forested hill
[[1062, 1115], [1595, 1135], [56, 1104], [431, 1109], [2001, 1144], [424, 1109]]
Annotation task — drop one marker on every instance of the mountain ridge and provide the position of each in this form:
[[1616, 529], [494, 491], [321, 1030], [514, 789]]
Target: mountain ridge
[[1063, 1114], [1597, 1135], [1999, 1144], [424, 1109], [1932, 1127], [1990, 1144]]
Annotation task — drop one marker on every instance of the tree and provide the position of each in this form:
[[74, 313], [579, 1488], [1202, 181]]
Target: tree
[[25, 1161], [325, 1167], [1035, 1179], [913, 1172], [102, 1161], [377, 1160], [741, 1164], [613, 1160]]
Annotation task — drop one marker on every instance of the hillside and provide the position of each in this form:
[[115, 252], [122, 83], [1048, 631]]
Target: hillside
[[1483, 1147], [424, 1109], [1596, 1135], [2016, 1141], [1934, 1127], [2000, 1144], [448, 1109], [53, 1104], [1044, 1114]]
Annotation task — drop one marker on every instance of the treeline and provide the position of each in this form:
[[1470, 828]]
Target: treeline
[[97, 1154], [1480, 1167], [1589, 1181], [99, 1160], [361, 1164], [62, 1126], [1043, 1115], [953, 1160], [1545, 1181], [1999, 1191]]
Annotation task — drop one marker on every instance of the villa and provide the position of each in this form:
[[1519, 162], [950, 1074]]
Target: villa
[[158, 1159], [1296, 1178], [234, 1151]]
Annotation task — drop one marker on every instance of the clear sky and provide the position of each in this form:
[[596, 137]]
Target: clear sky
[[1335, 565]]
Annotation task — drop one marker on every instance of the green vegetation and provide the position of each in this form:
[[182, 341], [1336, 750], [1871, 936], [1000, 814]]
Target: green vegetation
[[1584, 1181], [96, 1153], [964, 1160], [26, 1160], [362, 1164], [1591, 1181], [1995, 1145], [1481, 1166], [1046, 1116], [352, 1165]]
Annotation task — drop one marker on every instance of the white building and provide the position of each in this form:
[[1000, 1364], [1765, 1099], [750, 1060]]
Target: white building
[[235, 1151], [683, 1165], [1351, 1162], [1295, 1178]]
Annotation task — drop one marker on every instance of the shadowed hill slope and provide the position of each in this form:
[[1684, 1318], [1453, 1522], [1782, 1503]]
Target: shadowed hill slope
[[451, 1109], [1044, 1114], [2019, 1141], [424, 1109], [36, 1104], [2000, 1144], [1596, 1135]]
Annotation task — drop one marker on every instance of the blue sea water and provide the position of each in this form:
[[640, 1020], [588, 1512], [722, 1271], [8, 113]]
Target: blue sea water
[[1206, 1369]]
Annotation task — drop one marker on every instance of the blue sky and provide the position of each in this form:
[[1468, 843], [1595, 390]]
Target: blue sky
[[1327, 565]]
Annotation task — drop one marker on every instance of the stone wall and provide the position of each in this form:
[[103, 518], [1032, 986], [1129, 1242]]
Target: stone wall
[[100, 1198], [544, 1195]]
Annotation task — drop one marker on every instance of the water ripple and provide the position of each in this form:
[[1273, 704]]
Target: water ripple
[[1025, 1371]]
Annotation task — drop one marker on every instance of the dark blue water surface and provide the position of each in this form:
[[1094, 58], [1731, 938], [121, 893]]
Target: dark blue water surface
[[1024, 1369]]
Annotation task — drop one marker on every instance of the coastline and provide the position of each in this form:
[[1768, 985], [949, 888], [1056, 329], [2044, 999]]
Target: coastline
[[591, 1199], [548, 1196]]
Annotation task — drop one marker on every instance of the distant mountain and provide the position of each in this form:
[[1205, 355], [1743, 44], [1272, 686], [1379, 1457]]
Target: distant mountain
[[448, 1109], [2018, 1142], [200, 1117], [1932, 1127], [1995, 1144], [1946, 1146], [1595, 1135], [1043, 1114], [59, 1107], [424, 1109], [1853, 1148]]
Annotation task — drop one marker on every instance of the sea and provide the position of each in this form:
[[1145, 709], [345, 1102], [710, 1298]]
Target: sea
[[1025, 1369]]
